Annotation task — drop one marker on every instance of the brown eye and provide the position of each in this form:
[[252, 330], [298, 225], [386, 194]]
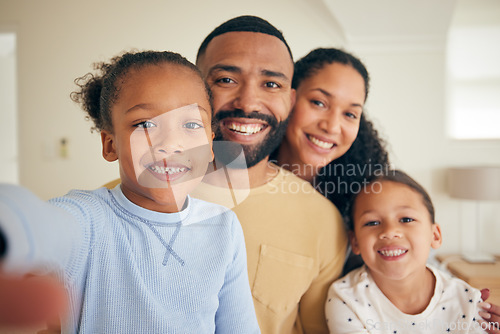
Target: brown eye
[[318, 103], [225, 80], [351, 115], [272, 84]]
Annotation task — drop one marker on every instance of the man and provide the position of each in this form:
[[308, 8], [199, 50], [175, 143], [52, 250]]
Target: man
[[294, 237]]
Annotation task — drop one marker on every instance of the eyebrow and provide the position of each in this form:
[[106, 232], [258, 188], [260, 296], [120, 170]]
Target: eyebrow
[[149, 106], [274, 74], [237, 70], [225, 68], [401, 207], [330, 95]]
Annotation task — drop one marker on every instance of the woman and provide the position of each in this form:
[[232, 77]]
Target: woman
[[329, 141]]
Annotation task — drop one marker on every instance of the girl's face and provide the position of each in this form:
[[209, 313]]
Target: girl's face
[[393, 231], [161, 135], [326, 116]]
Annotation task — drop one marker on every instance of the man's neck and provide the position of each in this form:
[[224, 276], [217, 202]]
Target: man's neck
[[291, 162], [244, 178], [261, 173]]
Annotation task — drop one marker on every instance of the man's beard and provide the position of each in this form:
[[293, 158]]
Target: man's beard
[[253, 153]]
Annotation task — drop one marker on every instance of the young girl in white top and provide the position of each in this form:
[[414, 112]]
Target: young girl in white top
[[143, 257], [392, 227]]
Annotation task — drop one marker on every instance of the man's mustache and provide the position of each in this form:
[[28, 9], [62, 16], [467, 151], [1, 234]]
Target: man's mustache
[[238, 113]]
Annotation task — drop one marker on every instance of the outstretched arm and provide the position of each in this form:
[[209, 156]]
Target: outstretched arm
[[29, 301], [36, 235]]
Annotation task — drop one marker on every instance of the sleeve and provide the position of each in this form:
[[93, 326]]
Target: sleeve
[[332, 250], [340, 317], [42, 235], [236, 312]]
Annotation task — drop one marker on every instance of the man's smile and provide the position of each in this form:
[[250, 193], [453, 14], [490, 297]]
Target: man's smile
[[244, 128]]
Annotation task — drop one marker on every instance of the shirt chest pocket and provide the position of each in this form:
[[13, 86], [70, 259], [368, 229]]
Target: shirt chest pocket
[[282, 278]]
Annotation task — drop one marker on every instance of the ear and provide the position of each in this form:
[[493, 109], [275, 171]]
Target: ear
[[437, 238], [354, 243], [108, 146], [212, 148], [212, 156]]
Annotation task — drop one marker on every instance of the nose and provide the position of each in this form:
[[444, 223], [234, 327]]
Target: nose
[[248, 98], [166, 142], [170, 149], [330, 123], [390, 231]]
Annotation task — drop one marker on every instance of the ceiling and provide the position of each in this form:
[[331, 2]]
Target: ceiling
[[410, 23], [392, 19]]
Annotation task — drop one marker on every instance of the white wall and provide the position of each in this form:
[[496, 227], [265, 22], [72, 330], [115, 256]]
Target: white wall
[[59, 39], [409, 104], [9, 170]]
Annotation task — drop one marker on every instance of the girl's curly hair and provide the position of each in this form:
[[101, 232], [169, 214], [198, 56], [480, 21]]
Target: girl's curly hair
[[98, 92]]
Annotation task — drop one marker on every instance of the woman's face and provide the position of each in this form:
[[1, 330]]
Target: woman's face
[[326, 116]]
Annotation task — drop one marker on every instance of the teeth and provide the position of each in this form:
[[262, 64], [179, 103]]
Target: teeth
[[320, 143], [396, 252], [167, 170], [248, 129]]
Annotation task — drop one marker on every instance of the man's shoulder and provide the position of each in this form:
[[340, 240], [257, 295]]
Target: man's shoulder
[[285, 191], [112, 184], [288, 183]]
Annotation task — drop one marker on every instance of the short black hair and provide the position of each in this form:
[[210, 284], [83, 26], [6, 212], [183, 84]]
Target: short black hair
[[243, 23], [396, 176]]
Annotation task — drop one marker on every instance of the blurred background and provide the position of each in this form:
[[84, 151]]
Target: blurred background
[[435, 90]]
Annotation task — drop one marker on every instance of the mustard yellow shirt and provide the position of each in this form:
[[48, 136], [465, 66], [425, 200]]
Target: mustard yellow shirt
[[296, 244]]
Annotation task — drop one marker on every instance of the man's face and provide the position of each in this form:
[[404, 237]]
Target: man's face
[[250, 76]]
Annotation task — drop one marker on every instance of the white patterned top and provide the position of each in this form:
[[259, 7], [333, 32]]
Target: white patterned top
[[355, 304]]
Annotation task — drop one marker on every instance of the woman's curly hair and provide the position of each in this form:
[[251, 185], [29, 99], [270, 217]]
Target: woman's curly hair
[[342, 178]]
